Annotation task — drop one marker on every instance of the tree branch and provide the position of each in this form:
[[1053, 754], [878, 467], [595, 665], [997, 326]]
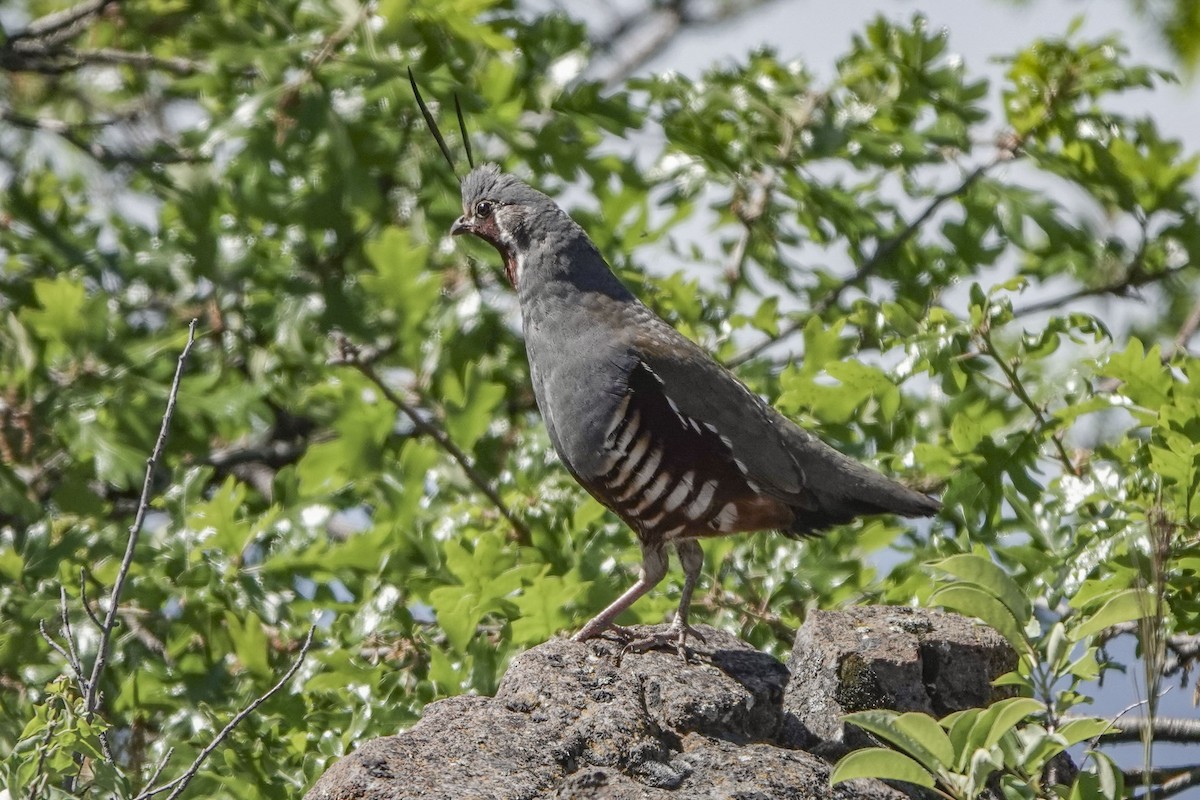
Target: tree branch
[[1018, 388], [1122, 288], [1162, 729], [1170, 787], [60, 25], [179, 784], [349, 354], [885, 250], [92, 697], [71, 135]]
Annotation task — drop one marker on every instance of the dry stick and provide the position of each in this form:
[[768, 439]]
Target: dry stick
[[92, 699], [881, 254], [348, 354], [180, 783]]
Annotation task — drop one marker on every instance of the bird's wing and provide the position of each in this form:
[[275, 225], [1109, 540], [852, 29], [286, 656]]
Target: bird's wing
[[706, 394], [821, 484], [669, 475]]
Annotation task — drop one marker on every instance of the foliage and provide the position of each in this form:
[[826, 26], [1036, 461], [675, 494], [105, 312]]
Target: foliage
[[264, 170]]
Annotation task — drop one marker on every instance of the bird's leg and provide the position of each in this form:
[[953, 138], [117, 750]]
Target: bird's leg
[[654, 567], [691, 558]]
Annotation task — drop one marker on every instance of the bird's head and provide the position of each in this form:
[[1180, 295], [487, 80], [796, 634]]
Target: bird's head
[[505, 212]]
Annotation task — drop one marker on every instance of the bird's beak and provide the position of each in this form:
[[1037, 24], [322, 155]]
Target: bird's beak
[[460, 227]]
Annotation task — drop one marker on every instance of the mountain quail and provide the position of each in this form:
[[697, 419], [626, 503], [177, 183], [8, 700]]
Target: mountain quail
[[644, 419]]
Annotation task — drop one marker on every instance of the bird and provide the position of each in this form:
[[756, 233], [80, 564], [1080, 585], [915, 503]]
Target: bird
[[643, 418]]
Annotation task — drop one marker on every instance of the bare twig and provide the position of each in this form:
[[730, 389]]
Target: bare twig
[[68, 634], [673, 18], [83, 600], [885, 250], [179, 784], [110, 55], [349, 354], [92, 697], [158, 768], [58, 648]]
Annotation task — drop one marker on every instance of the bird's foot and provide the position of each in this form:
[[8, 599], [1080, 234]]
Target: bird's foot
[[619, 632], [673, 638]]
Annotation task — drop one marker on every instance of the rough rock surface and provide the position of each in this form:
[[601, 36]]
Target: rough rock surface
[[905, 659], [581, 722]]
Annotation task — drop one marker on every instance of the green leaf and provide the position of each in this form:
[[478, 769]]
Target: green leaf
[[1079, 730], [1129, 605], [880, 763], [917, 734], [1002, 717], [976, 602], [989, 576]]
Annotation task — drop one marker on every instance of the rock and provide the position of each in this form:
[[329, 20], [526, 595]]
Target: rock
[[896, 657], [582, 722]]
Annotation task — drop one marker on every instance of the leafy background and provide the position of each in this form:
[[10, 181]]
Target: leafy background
[[885, 264]]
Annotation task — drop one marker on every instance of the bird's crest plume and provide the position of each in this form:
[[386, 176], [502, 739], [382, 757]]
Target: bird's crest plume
[[437, 134]]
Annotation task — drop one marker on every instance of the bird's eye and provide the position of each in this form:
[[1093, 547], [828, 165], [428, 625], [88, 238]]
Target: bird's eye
[[484, 208]]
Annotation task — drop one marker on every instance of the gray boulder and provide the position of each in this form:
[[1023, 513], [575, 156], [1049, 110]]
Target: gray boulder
[[583, 722]]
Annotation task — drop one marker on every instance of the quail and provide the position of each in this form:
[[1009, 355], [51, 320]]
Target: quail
[[644, 419]]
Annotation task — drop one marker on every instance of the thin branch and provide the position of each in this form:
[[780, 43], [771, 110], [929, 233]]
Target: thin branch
[[92, 698], [1186, 331], [1122, 288], [1018, 388], [162, 763], [83, 599], [349, 354], [1173, 786], [751, 212], [69, 635], [179, 784], [60, 25], [1162, 729], [71, 135], [1157, 774], [884, 251], [674, 17], [58, 648]]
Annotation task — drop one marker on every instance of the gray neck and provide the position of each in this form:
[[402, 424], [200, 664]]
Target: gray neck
[[566, 269]]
